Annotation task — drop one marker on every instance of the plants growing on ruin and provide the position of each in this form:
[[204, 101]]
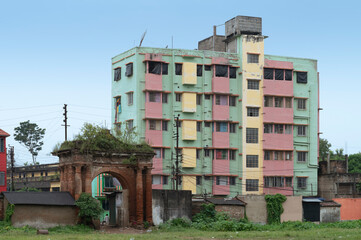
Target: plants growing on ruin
[[274, 207]]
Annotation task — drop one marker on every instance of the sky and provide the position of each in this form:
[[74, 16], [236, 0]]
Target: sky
[[59, 52]]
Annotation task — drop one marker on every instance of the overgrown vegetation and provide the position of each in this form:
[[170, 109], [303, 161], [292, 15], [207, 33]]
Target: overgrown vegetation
[[9, 212], [95, 138], [274, 207], [89, 208]]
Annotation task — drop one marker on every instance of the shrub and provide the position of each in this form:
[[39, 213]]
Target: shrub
[[89, 208], [9, 212], [274, 207]]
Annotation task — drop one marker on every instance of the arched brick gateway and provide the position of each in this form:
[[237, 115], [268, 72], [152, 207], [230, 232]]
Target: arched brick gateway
[[133, 170]]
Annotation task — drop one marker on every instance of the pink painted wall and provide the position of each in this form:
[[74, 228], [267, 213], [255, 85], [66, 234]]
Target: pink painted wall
[[277, 64], [220, 112], [278, 87], [350, 208], [153, 137], [219, 189], [157, 186], [278, 168], [153, 109], [278, 115], [220, 139], [153, 82], [278, 141], [220, 84], [220, 167], [153, 57], [157, 166], [287, 191]]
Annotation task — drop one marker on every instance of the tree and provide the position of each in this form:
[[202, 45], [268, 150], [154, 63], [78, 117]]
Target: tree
[[324, 148], [354, 163], [30, 135]]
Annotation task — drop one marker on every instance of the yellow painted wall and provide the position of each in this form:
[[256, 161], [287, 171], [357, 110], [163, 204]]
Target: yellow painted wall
[[189, 130], [189, 183], [189, 75], [252, 98], [189, 103], [189, 159]]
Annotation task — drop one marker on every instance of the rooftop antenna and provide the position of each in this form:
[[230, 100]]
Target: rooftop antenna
[[141, 40]]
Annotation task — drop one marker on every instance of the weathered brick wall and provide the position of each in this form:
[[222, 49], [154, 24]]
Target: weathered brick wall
[[234, 211], [207, 44]]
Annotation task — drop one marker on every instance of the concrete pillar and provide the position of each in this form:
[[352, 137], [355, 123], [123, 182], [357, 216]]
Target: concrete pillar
[[148, 196], [78, 182], [139, 201]]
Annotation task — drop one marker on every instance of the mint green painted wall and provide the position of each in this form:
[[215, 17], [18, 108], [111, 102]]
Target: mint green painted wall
[[308, 116]]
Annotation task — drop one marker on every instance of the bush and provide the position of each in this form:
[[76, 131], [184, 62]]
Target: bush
[[89, 208]]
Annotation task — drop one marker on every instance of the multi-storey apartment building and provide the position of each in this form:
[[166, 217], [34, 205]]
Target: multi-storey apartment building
[[248, 121], [3, 136]]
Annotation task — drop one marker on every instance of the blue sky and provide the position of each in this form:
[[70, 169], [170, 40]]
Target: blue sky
[[56, 52]]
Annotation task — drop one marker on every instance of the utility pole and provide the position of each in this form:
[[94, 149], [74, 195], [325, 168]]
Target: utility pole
[[177, 154], [12, 167], [65, 121]]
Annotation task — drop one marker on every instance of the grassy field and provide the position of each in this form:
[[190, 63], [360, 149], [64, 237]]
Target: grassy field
[[324, 233]]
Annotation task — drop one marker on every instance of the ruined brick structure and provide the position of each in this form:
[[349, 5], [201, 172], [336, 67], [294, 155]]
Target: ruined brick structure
[[133, 170]]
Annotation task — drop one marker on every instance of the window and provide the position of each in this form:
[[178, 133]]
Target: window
[[155, 125], [279, 74], [232, 72], [199, 70], [252, 58], [165, 68], [302, 156], [108, 182], [207, 67], [178, 69], [288, 156], [251, 185], [178, 97], [154, 96], [301, 130], [232, 154], [117, 74], [252, 161], [252, 112], [156, 179], [279, 102], [158, 153], [221, 180], [198, 154], [268, 73], [221, 100], [268, 155], [301, 77], [32, 174], [199, 99], [288, 75], [288, 102], [198, 180], [221, 127], [199, 126], [221, 71], [273, 181], [288, 129], [206, 152], [207, 96], [165, 180], [268, 128], [253, 84], [130, 98], [288, 181], [268, 101], [154, 67], [279, 128], [2, 178], [207, 124], [232, 127], [301, 182], [165, 125], [129, 69], [2, 145], [232, 180], [130, 124], [252, 135], [164, 97], [278, 155], [222, 154], [301, 104], [232, 101]]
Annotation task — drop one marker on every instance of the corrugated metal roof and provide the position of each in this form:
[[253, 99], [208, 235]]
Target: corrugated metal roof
[[40, 198], [222, 201], [3, 133], [316, 200]]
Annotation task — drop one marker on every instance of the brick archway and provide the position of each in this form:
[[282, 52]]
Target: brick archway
[[133, 171]]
